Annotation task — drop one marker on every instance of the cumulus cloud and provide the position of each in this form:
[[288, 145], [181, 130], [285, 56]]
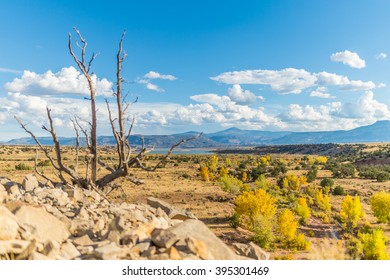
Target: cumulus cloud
[[349, 58], [240, 96], [289, 80], [155, 75], [381, 56], [67, 81], [321, 92], [331, 79]]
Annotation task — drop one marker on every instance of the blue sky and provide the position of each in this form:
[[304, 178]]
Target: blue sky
[[200, 65]]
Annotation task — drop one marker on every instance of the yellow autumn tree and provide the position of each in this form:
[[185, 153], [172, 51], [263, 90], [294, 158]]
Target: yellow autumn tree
[[253, 206], [302, 210], [373, 245], [287, 225], [380, 206], [204, 173], [351, 212]]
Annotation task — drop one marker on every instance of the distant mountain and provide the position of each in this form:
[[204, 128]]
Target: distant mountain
[[236, 136], [377, 132]]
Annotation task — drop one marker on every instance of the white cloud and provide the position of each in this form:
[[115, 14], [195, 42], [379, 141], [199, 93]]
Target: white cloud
[[155, 75], [349, 58], [153, 87], [67, 81], [331, 79], [292, 80], [381, 56], [289, 80], [381, 85], [240, 96], [152, 75], [8, 70], [321, 93]]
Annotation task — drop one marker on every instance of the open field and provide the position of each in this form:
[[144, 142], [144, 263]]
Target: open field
[[180, 183]]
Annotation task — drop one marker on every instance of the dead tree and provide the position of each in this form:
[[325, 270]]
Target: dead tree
[[121, 127]]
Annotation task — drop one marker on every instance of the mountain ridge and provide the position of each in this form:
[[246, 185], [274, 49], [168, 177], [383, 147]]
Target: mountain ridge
[[376, 132]]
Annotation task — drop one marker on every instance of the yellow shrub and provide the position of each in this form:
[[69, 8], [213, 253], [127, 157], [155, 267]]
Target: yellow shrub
[[351, 211], [232, 185], [373, 245], [204, 173], [321, 160], [287, 225], [380, 206], [212, 164], [292, 182], [223, 171], [253, 206], [261, 182], [302, 210], [244, 177], [322, 201]]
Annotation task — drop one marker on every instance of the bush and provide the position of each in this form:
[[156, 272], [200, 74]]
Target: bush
[[351, 212], [312, 174], [322, 201], [380, 206], [302, 210], [287, 225], [254, 207], [44, 163], [373, 245], [263, 233], [22, 166], [327, 183], [292, 182], [261, 182], [338, 190], [300, 243], [232, 184], [204, 173]]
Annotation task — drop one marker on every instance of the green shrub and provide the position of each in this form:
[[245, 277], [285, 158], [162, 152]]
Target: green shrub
[[22, 166], [338, 190]]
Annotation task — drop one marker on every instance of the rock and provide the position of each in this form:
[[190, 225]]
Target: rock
[[58, 196], [13, 246], [45, 227], [84, 240], [30, 182], [164, 238], [142, 247], [8, 225], [69, 251], [199, 248], [198, 230], [52, 250], [76, 194], [13, 190], [93, 194], [171, 211], [38, 257], [251, 250], [3, 194], [173, 254], [8, 228], [110, 252]]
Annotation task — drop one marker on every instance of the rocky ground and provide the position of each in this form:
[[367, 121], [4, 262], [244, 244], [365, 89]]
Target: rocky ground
[[41, 221]]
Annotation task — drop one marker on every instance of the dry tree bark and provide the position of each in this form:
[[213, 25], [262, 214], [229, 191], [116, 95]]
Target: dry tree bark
[[121, 133]]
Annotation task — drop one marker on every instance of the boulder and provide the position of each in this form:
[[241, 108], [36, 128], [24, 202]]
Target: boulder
[[110, 252], [198, 230], [251, 250], [164, 238], [30, 182], [8, 228], [170, 210], [44, 226]]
